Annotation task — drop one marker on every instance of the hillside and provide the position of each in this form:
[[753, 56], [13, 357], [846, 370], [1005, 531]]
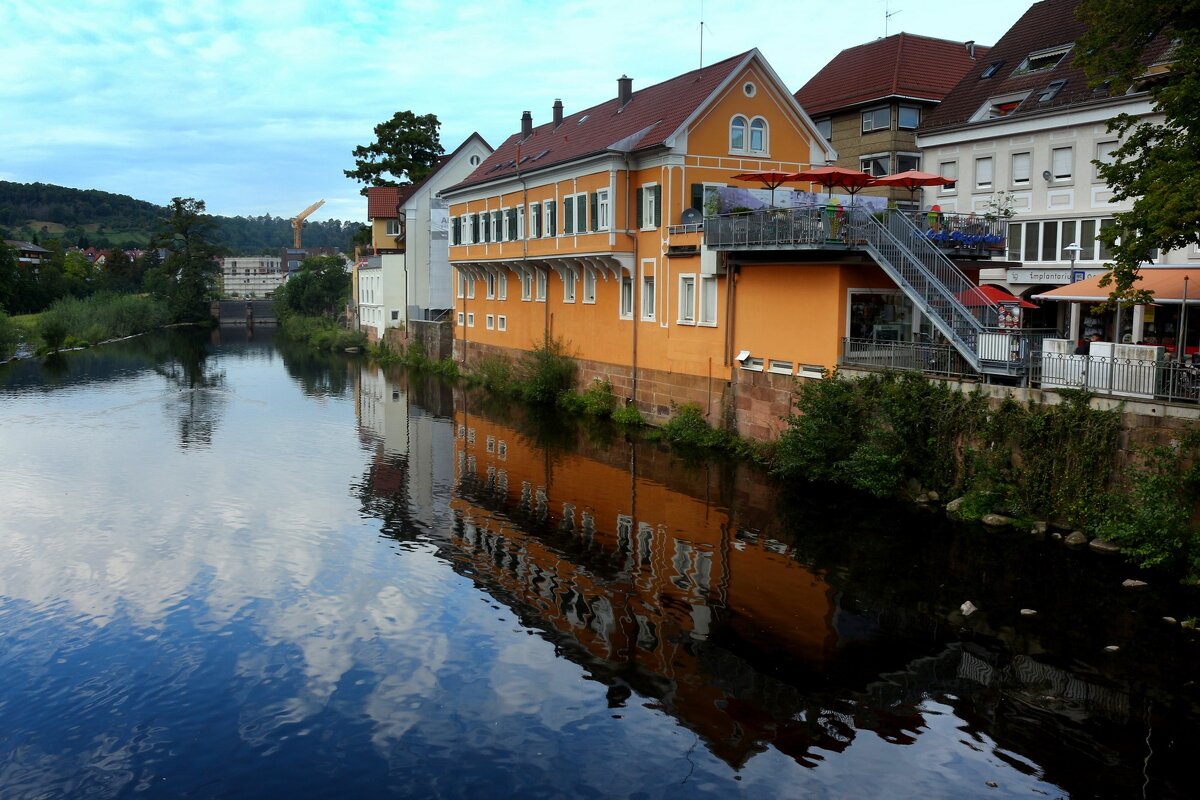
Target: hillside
[[90, 217]]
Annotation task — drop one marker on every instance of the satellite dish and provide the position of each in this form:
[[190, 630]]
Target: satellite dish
[[1046, 175], [691, 216]]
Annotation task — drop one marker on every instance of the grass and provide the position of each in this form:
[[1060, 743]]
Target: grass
[[80, 322]]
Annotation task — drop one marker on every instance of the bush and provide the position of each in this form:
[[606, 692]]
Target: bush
[[494, 373], [9, 336], [99, 318], [53, 330], [320, 333], [598, 399], [545, 373], [628, 414]]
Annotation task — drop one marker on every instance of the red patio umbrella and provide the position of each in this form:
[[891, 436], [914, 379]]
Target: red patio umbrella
[[914, 179], [988, 295], [770, 178], [852, 180]]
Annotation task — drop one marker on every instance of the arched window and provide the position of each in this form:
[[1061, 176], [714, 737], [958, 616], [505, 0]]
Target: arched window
[[758, 135], [737, 133]]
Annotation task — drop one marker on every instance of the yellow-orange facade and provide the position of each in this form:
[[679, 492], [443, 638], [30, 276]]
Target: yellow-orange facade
[[596, 251]]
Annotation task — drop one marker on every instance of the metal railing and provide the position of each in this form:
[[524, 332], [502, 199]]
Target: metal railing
[[778, 227], [1129, 378], [964, 234], [927, 357]]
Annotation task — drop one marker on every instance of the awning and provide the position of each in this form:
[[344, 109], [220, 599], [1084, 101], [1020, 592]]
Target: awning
[[1165, 283], [991, 295]]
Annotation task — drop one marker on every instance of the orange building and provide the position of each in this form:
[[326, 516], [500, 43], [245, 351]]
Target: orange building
[[592, 229]]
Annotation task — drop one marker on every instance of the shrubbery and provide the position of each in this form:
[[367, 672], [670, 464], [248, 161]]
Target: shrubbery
[[82, 321], [544, 373], [9, 336], [320, 333]]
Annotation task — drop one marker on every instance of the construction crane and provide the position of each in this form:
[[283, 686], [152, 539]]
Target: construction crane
[[298, 220]]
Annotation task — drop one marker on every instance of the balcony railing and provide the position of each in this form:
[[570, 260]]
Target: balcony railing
[[1149, 379], [957, 234], [928, 357]]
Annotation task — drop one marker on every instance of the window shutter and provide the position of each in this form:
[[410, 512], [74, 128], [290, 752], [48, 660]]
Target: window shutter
[[657, 206], [698, 196], [593, 204], [640, 214]]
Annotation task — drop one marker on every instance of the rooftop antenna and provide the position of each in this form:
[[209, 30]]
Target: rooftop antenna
[[702, 35], [887, 15]]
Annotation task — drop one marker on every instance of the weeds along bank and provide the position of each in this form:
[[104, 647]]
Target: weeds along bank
[[84, 321], [319, 333]]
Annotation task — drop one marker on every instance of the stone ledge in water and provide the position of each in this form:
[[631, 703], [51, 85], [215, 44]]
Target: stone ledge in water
[[1028, 612], [1103, 547], [996, 520], [1132, 583], [1076, 539]]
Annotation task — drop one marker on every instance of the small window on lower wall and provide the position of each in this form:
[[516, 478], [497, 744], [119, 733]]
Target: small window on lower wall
[[490, 322], [780, 367], [811, 371], [501, 323], [471, 320], [753, 364], [460, 319]]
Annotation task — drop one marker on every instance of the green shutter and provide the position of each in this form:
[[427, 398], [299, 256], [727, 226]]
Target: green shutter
[[568, 215], [594, 205], [657, 206], [639, 208]]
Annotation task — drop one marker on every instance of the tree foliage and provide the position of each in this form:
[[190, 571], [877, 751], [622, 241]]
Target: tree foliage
[[191, 271], [405, 150], [1155, 165], [320, 287]]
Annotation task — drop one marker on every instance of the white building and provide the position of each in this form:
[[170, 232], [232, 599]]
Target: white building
[[1022, 130], [407, 275], [251, 276]]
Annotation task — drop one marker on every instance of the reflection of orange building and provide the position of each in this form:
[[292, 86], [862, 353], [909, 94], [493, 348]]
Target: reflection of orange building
[[639, 575]]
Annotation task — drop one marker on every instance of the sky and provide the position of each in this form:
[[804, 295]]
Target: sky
[[254, 107]]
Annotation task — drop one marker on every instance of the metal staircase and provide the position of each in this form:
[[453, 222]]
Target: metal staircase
[[930, 280]]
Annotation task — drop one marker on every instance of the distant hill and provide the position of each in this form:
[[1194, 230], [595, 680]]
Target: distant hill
[[90, 217]]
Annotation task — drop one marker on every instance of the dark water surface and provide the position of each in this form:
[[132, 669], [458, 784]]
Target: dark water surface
[[233, 569]]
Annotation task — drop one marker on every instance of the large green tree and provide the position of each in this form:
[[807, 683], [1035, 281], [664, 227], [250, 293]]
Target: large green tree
[[190, 271], [1158, 162], [320, 287], [405, 150]]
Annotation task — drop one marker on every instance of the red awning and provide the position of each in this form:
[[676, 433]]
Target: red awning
[[991, 295]]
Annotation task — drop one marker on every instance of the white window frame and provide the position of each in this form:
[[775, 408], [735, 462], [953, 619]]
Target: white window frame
[[991, 170], [765, 144], [900, 117], [589, 286], [780, 367], [735, 122], [707, 283], [1014, 174], [540, 281], [569, 285], [686, 311], [502, 286], [825, 124], [535, 219], [490, 322], [865, 163], [462, 284], [549, 218], [648, 208], [953, 164], [461, 319], [393, 227], [625, 289], [520, 223], [647, 288], [526, 285], [1070, 165], [491, 285], [603, 210], [1104, 151], [753, 364], [897, 166], [470, 319], [870, 126], [470, 287], [501, 323]]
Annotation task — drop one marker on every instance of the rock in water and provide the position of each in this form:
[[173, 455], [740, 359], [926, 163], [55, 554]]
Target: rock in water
[[954, 505], [997, 520], [1103, 547], [1076, 539], [1131, 583], [1028, 612], [968, 608]]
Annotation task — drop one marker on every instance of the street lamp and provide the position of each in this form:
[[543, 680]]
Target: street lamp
[[1073, 250]]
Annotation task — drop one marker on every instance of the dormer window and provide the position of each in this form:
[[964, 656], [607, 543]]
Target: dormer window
[[999, 107], [1043, 60], [991, 69], [1051, 91]]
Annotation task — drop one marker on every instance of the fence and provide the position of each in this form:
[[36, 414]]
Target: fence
[[1135, 378], [927, 357]]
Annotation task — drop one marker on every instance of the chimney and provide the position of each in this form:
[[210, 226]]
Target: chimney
[[557, 113], [526, 125], [971, 49], [624, 91]]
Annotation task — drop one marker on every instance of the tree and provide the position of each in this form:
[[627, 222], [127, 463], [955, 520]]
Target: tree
[[191, 270], [405, 150], [1156, 163], [320, 287]]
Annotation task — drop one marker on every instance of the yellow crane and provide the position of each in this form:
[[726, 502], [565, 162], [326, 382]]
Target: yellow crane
[[298, 220]]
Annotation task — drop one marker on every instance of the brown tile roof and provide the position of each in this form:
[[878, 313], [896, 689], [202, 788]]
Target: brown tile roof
[[1046, 24], [903, 65], [383, 202], [647, 120]]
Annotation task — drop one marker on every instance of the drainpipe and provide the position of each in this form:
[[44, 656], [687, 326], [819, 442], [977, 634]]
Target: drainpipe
[[636, 279]]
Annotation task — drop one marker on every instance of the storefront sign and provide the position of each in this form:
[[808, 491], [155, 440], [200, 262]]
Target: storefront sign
[[1056, 276]]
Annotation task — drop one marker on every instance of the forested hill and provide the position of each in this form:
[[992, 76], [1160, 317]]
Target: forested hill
[[89, 217]]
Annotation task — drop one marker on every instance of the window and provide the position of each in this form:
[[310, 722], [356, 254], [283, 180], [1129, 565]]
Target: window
[[462, 284], [497, 226], [535, 219], [526, 285], [1050, 249], [877, 119], [825, 128], [1051, 91], [948, 169], [471, 319], [626, 297], [708, 300], [1021, 166], [541, 286], [909, 118], [991, 69], [1042, 60], [502, 286], [1104, 155], [737, 133], [648, 296], [1061, 163], [568, 279], [581, 212], [474, 161], [470, 288], [758, 135], [753, 364], [502, 325], [456, 231], [490, 322], [393, 227], [520, 222], [548, 212], [1014, 241], [491, 286], [780, 367], [999, 107], [687, 299], [601, 219], [983, 173], [589, 285], [876, 165], [649, 208], [460, 319], [475, 228], [907, 161]]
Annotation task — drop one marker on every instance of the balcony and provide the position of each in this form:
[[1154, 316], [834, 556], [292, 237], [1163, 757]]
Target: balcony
[[822, 227]]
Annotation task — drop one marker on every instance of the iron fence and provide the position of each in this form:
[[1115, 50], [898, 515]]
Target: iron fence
[[1131, 378], [780, 227], [931, 358]]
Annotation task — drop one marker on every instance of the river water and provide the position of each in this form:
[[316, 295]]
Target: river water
[[229, 568]]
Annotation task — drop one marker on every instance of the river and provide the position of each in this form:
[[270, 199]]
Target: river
[[231, 568]]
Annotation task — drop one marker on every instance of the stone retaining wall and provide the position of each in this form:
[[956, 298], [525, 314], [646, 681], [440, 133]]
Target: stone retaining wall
[[436, 338]]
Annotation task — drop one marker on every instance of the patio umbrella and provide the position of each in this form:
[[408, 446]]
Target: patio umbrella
[[914, 179], [988, 295], [770, 178], [852, 180]]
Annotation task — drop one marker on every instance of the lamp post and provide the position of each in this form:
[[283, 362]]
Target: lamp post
[[1073, 250]]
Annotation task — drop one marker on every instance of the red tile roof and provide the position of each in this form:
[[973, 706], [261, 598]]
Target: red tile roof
[[647, 120], [383, 202], [1045, 25], [903, 65]]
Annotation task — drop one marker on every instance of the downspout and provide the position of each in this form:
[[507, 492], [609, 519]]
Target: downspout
[[635, 278]]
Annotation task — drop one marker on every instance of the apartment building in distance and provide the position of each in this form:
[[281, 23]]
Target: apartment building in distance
[[251, 277]]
